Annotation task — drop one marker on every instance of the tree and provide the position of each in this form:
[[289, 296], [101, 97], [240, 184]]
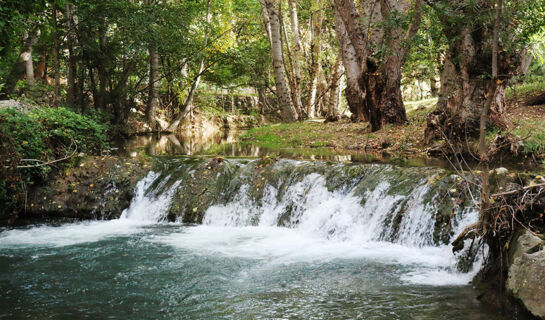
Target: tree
[[297, 48], [153, 99], [316, 25], [379, 49], [289, 113], [465, 81], [335, 87]]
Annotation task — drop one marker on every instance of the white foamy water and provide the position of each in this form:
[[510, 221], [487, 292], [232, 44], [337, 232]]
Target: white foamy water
[[145, 210], [317, 225], [325, 225]]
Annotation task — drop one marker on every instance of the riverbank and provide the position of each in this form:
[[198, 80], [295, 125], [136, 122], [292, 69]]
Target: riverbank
[[401, 142]]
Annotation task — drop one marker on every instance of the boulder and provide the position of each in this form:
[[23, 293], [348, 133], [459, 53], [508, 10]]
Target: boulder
[[526, 279], [17, 105]]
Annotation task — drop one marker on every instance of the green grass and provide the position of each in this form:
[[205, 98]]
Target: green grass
[[525, 89], [533, 133], [411, 106], [288, 135]]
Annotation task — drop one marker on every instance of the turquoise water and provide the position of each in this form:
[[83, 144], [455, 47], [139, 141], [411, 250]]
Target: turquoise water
[[132, 270], [304, 251]]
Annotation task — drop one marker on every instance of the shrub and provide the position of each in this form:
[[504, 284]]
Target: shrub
[[42, 135]]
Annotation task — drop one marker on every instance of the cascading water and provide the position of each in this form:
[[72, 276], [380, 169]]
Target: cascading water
[[280, 239]]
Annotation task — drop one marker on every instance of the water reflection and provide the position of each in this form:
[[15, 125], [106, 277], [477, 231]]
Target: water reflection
[[227, 144], [170, 144]]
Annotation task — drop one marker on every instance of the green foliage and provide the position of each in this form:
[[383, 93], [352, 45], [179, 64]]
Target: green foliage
[[531, 86], [533, 134], [37, 137]]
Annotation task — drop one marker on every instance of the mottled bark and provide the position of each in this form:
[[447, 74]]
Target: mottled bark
[[355, 96], [466, 86], [287, 109], [377, 96]]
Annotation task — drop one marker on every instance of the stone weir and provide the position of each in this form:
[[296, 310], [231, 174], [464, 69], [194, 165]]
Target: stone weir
[[411, 206], [418, 206]]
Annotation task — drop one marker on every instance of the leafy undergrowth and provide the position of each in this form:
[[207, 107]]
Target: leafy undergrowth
[[30, 141]]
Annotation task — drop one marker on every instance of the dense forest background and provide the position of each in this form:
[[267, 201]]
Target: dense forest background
[[302, 59]]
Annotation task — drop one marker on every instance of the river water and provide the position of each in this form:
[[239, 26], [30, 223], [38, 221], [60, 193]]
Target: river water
[[330, 264]]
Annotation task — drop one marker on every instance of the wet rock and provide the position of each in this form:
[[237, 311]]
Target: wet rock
[[525, 242], [526, 280], [95, 188]]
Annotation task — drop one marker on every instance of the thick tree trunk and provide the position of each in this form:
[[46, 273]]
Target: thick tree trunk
[[384, 99], [153, 99], [355, 97], [465, 86], [376, 94], [287, 109]]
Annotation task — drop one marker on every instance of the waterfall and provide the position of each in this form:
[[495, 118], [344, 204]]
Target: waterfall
[[147, 204], [290, 211], [341, 215], [306, 211]]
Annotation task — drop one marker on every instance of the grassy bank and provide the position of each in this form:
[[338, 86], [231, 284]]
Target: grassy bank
[[345, 137]]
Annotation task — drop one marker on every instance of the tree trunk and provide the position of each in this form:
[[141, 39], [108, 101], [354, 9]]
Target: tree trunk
[[101, 67], [465, 85], [334, 91], [186, 108], [384, 98], [317, 18], [71, 90], [355, 97], [296, 56], [483, 148], [153, 99], [30, 40], [289, 113], [376, 95], [266, 20], [56, 64]]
